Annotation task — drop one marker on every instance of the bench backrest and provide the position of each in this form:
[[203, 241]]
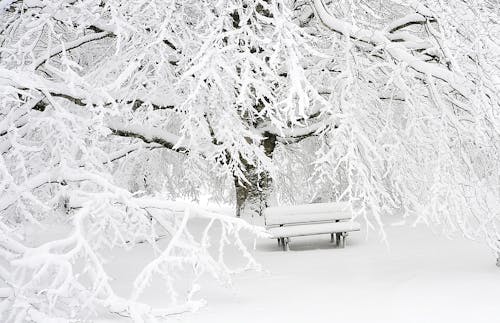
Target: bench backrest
[[317, 212]]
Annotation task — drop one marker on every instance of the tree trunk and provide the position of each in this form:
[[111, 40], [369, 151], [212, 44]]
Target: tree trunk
[[254, 194]]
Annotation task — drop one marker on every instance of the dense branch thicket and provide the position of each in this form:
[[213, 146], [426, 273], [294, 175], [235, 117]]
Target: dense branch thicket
[[110, 110]]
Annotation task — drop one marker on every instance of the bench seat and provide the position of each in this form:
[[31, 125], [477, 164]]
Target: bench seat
[[312, 229]]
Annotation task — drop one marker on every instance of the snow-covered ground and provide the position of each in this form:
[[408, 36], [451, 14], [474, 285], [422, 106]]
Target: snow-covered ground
[[419, 277]]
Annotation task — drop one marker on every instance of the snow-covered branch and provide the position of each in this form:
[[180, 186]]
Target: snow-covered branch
[[72, 45], [380, 40], [147, 134]]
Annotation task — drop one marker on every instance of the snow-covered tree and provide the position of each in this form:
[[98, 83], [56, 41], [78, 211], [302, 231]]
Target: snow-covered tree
[[112, 109]]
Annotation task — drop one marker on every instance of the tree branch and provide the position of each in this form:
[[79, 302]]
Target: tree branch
[[408, 20], [147, 134], [396, 50], [72, 45]]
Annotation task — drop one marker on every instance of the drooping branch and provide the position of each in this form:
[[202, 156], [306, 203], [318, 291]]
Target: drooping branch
[[396, 50]]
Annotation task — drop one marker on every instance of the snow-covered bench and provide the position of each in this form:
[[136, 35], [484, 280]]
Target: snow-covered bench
[[310, 219]]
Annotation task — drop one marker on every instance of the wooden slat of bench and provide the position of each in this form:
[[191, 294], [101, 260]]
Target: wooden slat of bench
[[272, 219], [312, 229]]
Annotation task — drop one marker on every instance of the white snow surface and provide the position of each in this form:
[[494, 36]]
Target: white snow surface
[[420, 276], [307, 212], [310, 208]]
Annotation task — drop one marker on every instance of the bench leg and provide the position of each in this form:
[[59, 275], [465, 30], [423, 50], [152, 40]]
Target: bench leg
[[344, 236], [337, 239], [332, 237], [279, 242], [285, 242]]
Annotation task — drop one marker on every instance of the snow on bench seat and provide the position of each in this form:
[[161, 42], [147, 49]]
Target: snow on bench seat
[[312, 229], [304, 213]]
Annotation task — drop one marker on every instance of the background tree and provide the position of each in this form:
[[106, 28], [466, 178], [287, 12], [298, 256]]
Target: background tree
[[111, 109]]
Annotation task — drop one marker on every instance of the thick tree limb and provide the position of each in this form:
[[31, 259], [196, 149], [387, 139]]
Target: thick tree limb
[[296, 134], [147, 134]]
